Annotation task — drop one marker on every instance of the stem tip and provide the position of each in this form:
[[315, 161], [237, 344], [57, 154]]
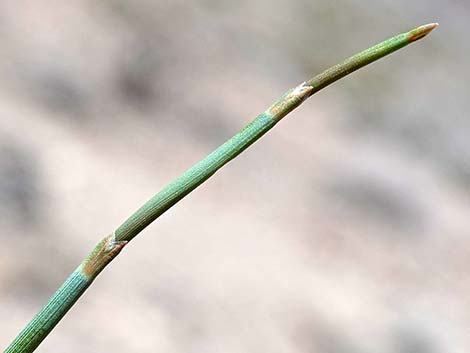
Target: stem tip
[[421, 31]]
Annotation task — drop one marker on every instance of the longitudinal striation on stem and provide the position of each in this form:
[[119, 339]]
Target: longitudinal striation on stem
[[109, 247]]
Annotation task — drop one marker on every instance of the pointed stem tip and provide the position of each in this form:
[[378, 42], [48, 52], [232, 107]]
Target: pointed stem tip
[[421, 31]]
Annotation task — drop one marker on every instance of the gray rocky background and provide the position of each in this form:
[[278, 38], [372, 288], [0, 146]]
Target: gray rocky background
[[344, 230]]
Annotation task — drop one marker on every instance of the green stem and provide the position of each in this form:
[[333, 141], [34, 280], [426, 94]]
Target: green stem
[[47, 318]]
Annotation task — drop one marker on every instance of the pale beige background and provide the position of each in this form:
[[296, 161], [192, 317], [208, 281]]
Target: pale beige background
[[345, 230]]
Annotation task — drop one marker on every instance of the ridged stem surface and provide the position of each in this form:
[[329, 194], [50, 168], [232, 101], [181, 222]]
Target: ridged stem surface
[[48, 317]]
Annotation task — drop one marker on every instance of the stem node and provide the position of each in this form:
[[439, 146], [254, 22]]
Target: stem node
[[103, 253]]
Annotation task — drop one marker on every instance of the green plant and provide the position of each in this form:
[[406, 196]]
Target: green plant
[[109, 247]]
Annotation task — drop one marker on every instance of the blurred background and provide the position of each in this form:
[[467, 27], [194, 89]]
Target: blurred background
[[344, 230]]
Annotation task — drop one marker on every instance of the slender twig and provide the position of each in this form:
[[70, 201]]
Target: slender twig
[[110, 246]]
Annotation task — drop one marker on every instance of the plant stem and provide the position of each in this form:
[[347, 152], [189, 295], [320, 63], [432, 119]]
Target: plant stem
[[109, 247]]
